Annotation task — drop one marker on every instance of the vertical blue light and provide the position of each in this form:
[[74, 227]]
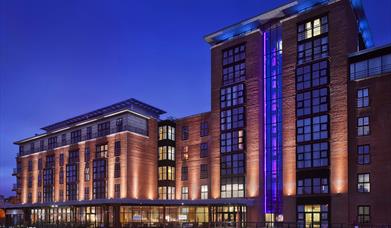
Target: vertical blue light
[[272, 73]]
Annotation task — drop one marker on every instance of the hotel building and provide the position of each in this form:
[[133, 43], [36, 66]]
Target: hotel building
[[298, 133]]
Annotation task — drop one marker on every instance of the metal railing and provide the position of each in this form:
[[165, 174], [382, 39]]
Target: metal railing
[[85, 137], [370, 72]]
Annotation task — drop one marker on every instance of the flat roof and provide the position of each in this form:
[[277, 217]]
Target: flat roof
[[286, 10]]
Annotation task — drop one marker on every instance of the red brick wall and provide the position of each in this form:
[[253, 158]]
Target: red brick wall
[[379, 112]]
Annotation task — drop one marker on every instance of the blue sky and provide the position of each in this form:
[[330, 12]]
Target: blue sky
[[62, 58]]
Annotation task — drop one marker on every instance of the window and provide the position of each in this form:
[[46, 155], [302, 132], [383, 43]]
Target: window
[[232, 119], [101, 151], [185, 153], [234, 54], [313, 215], [204, 171], [313, 75], [41, 144], [76, 136], [185, 193], [171, 133], [61, 159], [315, 128], [104, 128], [167, 153], [312, 50], [232, 141], [312, 155], [204, 150], [30, 197], [204, 131], [39, 179], [52, 142], [117, 148], [49, 161], [117, 170], [166, 192], [48, 177], [99, 176], [40, 164], [363, 154], [73, 156], [39, 197], [232, 164], [184, 173], [72, 178], [32, 145], [204, 191], [310, 186], [370, 67], [163, 132], [89, 133], [362, 98], [364, 214], [363, 182], [234, 73], [232, 96], [30, 181], [86, 193], [30, 165], [61, 195], [87, 154], [363, 126], [117, 190], [232, 187], [166, 173], [185, 133], [61, 176], [312, 28], [119, 124], [87, 172]]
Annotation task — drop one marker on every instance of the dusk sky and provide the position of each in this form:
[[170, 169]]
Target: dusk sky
[[62, 58]]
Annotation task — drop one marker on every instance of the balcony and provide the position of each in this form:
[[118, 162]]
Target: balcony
[[85, 137]]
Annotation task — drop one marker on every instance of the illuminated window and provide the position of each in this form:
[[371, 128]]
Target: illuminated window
[[363, 154], [185, 193], [162, 132], [101, 151], [363, 126], [166, 192], [364, 214], [203, 171], [362, 98], [87, 172], [232, 187], [204, 150], [171, 133], [167, 153], [313, 215], [185, 153], [312, 28], [184, 175], [204, 191], [363, 182], [166, 173]]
